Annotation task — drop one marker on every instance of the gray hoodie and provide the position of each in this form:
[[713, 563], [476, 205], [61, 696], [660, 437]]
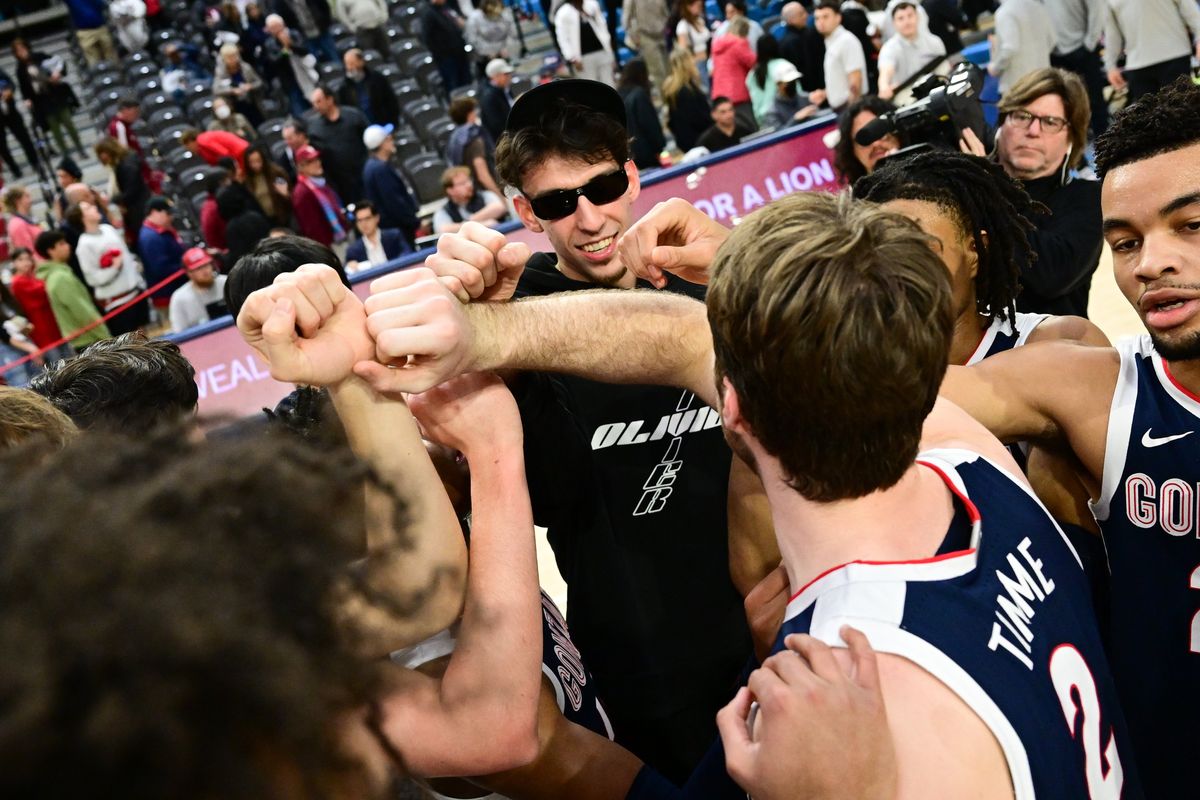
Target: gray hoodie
[[1149, 31]]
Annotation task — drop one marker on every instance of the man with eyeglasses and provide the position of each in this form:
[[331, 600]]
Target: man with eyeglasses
[[630, 481], [1042, 136]]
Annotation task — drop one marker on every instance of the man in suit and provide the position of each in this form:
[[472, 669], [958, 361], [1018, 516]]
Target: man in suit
[[295, 136], [496, 98], [383, 186], [374, 246]]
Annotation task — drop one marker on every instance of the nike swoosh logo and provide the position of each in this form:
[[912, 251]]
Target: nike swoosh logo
[[1152, 441]]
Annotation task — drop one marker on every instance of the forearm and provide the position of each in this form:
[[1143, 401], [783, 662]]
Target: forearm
[[605, 335], [383, 433], [492, 682]]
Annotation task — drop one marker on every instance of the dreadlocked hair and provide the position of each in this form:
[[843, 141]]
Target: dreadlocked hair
[[983, 200], [1158, 123]]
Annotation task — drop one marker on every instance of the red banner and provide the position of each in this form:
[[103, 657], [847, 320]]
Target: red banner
[[234, 381]]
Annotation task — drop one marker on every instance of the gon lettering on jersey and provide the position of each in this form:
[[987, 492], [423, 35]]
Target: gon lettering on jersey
[[685, 419], [1171, 506]]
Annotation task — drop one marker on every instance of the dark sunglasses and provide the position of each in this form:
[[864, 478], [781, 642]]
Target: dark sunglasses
[[600, 190]]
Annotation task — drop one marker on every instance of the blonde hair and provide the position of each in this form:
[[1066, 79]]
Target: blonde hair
[[13, 196], [1068, 86], [683, 73], [26, 416], [230, 49]]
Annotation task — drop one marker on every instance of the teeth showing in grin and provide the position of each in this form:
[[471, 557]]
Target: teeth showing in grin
[[596, 247], [1168, 306]]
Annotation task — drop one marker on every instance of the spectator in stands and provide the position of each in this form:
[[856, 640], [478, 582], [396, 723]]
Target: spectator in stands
[[374, 245], [181, 68], [687, 104], [641, 118], [584, 41], [269, 184], [1078, 28], [66, 173], [238, 83], [128, 19], [466, 203], [790, 105], [692, 34], [320, 213], [851, 159], [726, 129], [803, 45], [11, 120], [761, 81], [161, 249], [212, 146], [1153, 35], [845, 65], [50, 97], [368, 20], [30, 291], [645, 21], [87, 17], [254, 37], [120, 127], [69, 298], [110, 269], [312, 18], [496, 98], [127, 168], [128, 384], [908, 51], [492, 34], [385, 188], [368, 91], [291, 63], [212, 224], [22, 230], [295, 136], [337, 131], [1022, 41], [441, 30], [471, 145], [732, 60], [945, 19], [78, 193], [225, 118], [245, 224], [736, 9], [202, 298]]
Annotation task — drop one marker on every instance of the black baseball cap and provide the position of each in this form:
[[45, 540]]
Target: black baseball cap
[[529, 107], [159, 204]]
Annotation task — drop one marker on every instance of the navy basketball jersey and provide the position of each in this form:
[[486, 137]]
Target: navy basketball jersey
[[1004, 335], [574, 688], [1147, 513], [1002, 617]]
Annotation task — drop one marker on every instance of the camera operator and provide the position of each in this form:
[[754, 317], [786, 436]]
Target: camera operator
[[1042, 135]]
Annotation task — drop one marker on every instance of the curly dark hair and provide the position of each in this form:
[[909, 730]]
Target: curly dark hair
[[128, 384], [185, 639], [1157, 123], [844, 160], [989, 207], [569, 131]]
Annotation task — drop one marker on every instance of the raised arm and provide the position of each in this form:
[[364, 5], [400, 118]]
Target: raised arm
[[605, 335], [481, 716], [311, 330]]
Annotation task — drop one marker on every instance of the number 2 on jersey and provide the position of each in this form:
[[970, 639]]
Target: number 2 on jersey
[[1069, 671]]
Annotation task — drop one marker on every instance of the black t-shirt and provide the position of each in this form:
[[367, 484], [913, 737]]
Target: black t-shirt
[[715, 139], [631, 482], [589, 42]]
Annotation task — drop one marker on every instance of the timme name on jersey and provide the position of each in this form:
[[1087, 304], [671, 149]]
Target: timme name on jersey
[[1002, 617], [1148, 515]]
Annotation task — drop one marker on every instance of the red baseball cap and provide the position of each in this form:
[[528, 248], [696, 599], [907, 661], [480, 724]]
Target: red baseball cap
[[195, 257], [307, 153]]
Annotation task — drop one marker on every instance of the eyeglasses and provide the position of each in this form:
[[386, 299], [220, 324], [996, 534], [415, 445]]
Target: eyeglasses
[[1023, 119], [600, 190]]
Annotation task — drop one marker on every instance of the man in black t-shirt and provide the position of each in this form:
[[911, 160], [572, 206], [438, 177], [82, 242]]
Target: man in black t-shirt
[[630, 481], [726, 131]]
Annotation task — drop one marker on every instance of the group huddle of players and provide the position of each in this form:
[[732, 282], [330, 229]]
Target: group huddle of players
[[928, 612]]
